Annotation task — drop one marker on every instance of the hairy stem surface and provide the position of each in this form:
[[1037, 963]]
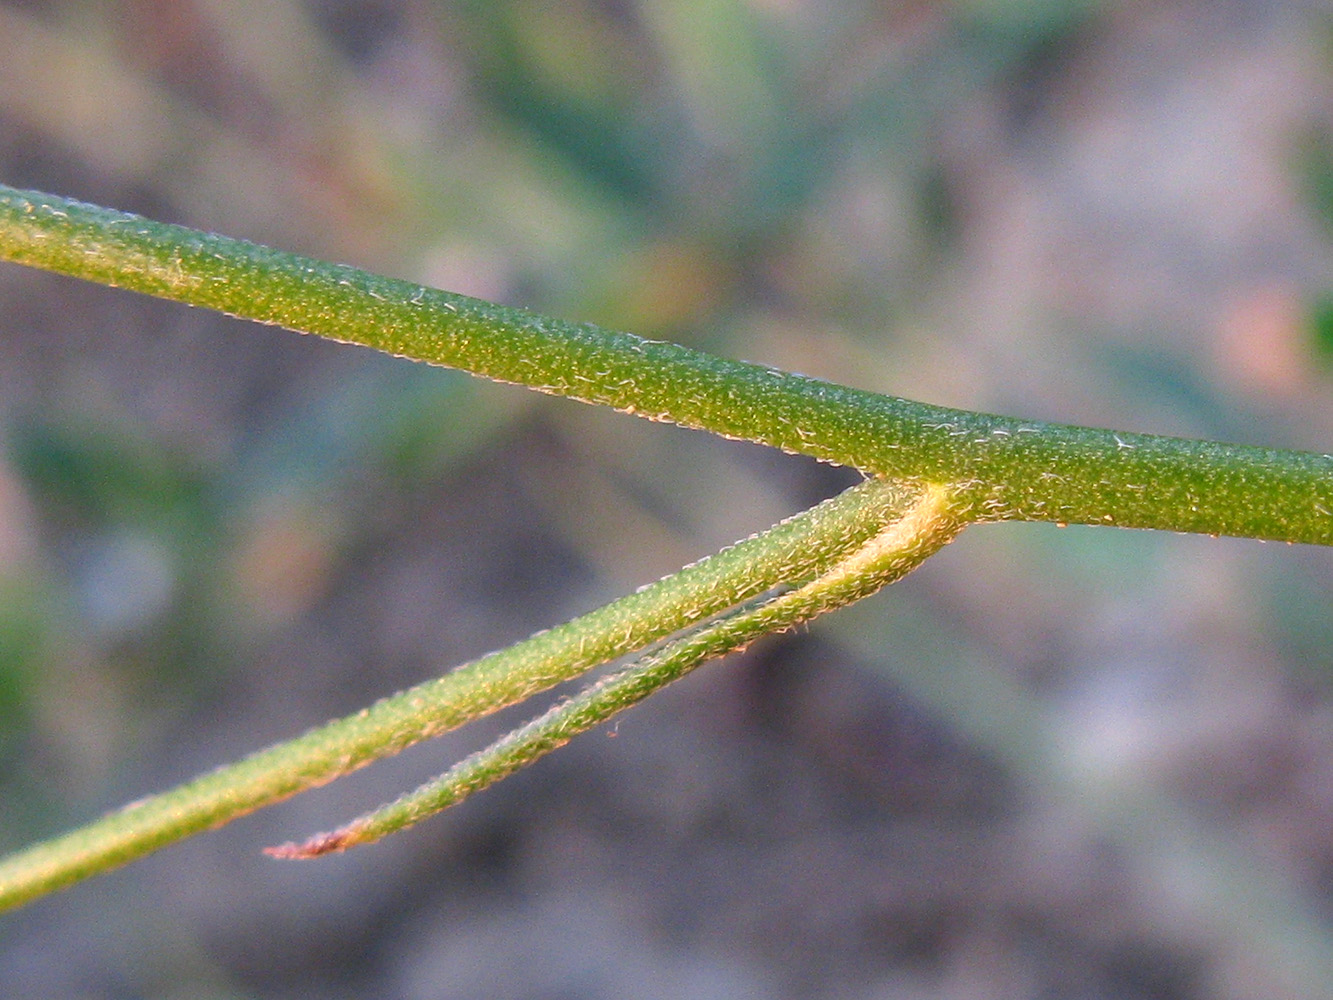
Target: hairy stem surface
[[899, 547], [1007, 468], [792, 553]]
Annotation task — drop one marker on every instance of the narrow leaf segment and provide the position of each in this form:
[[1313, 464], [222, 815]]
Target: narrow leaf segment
[[1006, 468], [791, 554], [899, 546]]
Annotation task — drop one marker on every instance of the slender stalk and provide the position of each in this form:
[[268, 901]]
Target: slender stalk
[[1006, 468], [899, 547], [791, 553]]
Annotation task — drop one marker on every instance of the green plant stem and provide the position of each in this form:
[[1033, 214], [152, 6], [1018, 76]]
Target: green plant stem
[[902, 544], [1007, 469], [791, 553]]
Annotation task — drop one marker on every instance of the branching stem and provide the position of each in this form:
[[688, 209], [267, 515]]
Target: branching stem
[[935, 470]]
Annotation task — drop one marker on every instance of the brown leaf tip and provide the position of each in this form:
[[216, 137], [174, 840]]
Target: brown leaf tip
[[318, 845]]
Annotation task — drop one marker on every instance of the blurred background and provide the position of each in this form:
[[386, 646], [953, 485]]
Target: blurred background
[[1075, 763]]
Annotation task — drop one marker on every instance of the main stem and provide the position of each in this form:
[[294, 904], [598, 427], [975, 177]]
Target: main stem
[[1004, 468]]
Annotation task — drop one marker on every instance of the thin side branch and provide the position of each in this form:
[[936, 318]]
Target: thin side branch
[[791, 553], [902, 545]]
